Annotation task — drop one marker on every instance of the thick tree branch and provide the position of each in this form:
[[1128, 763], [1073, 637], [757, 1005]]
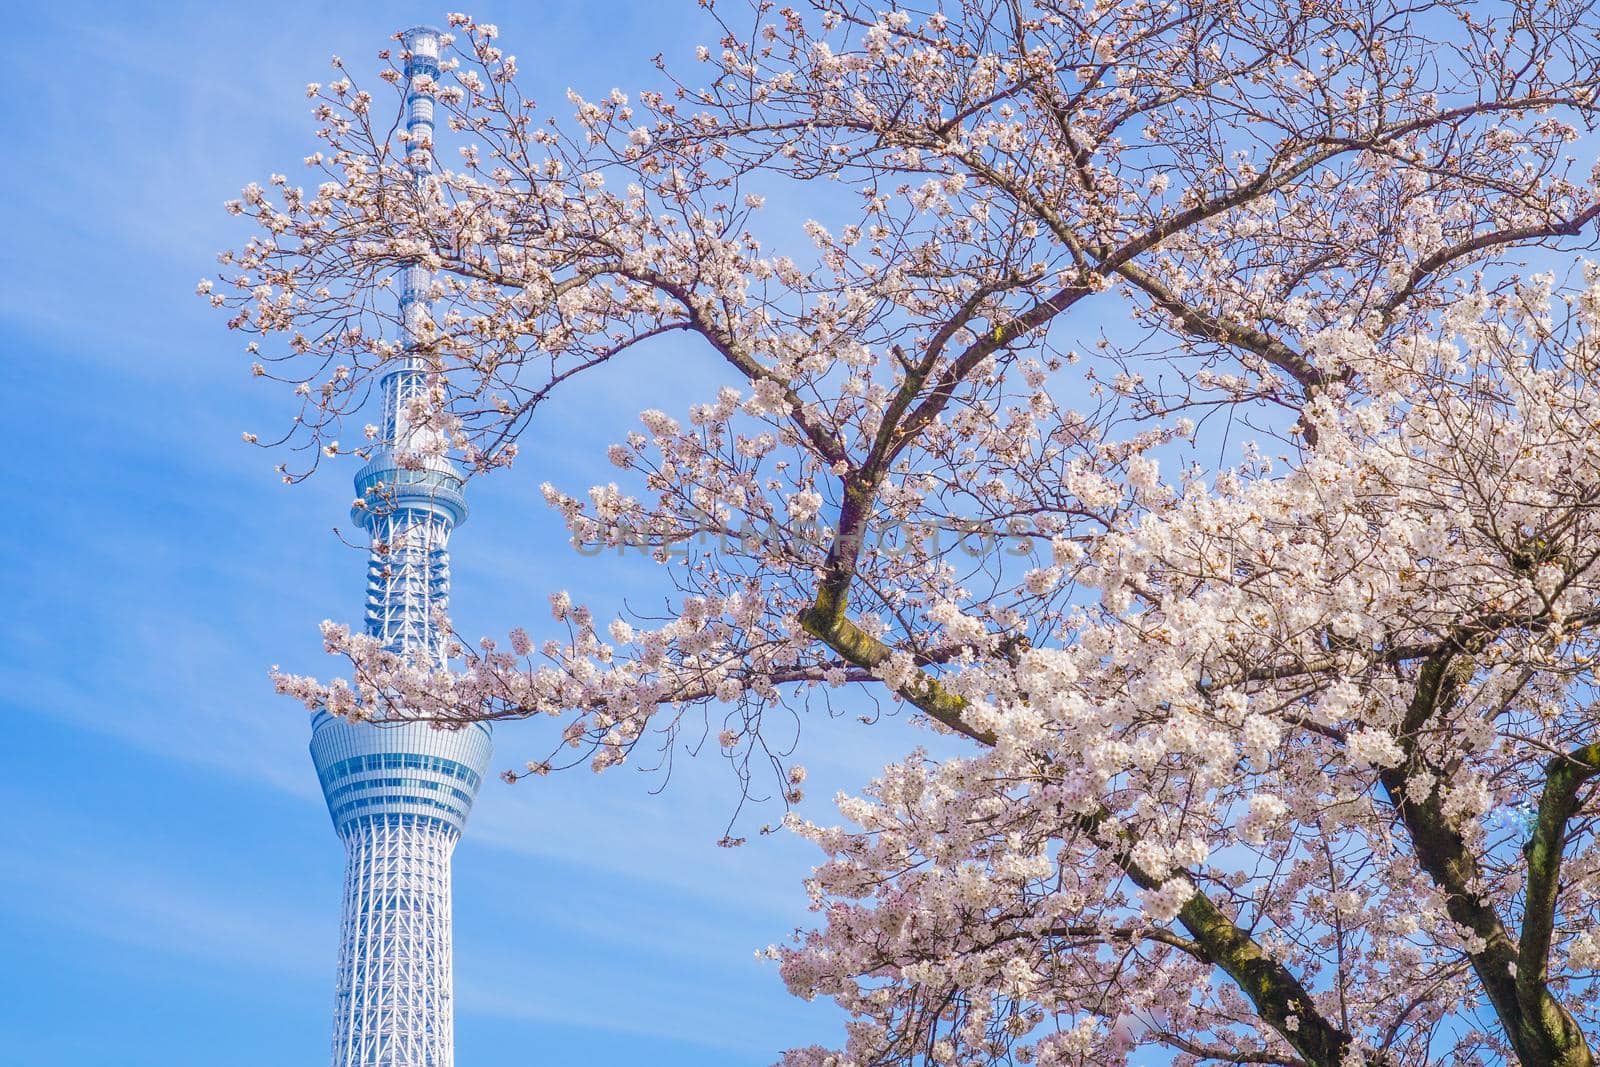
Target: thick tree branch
[[1428, 265], [827, 622], [1540, 1029], [996, 339], [1279, 997], [1210, 327], [1564, 776]]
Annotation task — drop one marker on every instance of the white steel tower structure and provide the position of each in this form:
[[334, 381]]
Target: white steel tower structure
[[399, 793]]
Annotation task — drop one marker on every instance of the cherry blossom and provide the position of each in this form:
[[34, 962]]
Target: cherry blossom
[[1187, 410]]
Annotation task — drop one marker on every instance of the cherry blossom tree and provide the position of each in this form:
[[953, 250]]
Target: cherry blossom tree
[[1283, 757]]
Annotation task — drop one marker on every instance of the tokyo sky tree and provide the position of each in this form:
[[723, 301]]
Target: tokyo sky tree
[[399, 793]]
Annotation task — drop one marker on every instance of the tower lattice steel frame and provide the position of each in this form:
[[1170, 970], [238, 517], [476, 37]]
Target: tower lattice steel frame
[[399, 793]]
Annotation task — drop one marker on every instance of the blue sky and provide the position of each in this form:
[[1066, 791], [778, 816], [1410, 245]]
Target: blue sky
[[168, 878]]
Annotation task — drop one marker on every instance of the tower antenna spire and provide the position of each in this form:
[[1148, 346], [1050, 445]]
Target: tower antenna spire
[[399, 792]]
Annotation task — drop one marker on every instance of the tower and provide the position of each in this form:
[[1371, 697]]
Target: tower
[[399, 793]]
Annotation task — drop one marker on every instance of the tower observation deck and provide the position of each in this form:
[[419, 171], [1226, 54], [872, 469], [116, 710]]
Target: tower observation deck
[[399, 793]]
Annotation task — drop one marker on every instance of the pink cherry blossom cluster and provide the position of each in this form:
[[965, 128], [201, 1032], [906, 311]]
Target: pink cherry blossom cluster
[[1267, 729]]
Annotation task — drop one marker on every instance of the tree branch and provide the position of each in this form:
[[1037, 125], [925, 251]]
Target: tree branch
[[1540, 1029], [1564, 776], [1279, 998]]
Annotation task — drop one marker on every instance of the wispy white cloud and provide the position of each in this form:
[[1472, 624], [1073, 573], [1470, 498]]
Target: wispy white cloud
[[103, 890], [712, 1016]]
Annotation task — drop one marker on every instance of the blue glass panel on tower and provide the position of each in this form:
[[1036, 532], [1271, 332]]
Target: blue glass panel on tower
[[399, 792], [411, 769]]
